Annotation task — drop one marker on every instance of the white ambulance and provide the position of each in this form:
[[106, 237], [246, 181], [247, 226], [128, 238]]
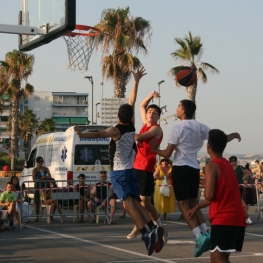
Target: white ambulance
[[66, 155]]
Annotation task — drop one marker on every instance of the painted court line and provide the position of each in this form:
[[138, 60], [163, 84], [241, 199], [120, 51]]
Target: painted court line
[[105, 246]]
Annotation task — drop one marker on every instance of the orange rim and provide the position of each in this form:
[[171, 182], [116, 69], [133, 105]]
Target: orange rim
[[84, 28]]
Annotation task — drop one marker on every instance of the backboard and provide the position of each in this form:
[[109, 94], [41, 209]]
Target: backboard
[[57, 17]]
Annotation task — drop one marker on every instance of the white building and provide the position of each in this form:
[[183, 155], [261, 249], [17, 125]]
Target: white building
[[66, 108]]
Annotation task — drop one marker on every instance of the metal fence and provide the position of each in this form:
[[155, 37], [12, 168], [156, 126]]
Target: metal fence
[[72, 197]]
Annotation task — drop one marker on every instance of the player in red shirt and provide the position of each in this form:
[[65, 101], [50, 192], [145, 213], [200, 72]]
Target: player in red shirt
[[227, 217]]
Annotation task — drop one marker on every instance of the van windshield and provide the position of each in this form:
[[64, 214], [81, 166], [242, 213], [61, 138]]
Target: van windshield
[[88, 154]]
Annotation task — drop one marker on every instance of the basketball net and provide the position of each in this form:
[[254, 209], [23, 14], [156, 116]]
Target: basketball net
[[80, 45]]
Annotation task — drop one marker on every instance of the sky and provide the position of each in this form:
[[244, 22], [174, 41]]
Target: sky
[[232, 37]]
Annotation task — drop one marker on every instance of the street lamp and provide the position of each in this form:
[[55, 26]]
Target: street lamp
[[91, 81], [97, 113], [101, 87], [159, 83]]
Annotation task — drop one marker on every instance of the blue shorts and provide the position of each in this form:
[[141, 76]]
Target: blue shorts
[[125, 182]]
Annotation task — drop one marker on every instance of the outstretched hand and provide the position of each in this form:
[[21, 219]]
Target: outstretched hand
[[139, 73], [155, 94], [238, 137]]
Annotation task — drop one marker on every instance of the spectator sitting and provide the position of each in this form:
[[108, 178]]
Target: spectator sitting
[[99, 197], [46, 198], [8, 202], [26, 210], [84, 197]]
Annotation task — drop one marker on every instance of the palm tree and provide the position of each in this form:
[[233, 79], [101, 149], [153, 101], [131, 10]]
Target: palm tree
[[189, 54], [16, 68], [27, 126], [122, 37], [46, 126]]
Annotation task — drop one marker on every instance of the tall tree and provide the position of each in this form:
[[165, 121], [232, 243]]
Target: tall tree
[[16, 68], [27, 126], [46, 126], [122, 37], [189, 54]]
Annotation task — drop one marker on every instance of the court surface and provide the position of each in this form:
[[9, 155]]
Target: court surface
[[88, 242]]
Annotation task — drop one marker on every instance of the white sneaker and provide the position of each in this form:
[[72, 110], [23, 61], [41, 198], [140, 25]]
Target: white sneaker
[[134, 233], [249, 221], [165, 234]]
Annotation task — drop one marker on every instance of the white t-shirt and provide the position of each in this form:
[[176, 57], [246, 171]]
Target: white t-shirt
[[188, 136]]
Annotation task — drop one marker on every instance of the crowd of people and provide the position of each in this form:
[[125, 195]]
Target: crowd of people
[[133, 171]]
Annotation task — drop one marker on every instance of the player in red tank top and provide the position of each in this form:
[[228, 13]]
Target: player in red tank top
[[222, 194], [145, 159]]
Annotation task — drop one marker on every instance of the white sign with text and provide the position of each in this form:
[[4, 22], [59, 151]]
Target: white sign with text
[[109, 110]]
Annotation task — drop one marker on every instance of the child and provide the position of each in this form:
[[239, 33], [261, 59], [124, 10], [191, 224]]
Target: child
[[8, 202], [226, 214]]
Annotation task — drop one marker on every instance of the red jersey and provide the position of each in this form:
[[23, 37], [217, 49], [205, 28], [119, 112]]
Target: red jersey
[[145, 158], [225, 207]]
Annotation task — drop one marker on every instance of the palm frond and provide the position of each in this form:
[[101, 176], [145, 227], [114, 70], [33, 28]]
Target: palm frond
[[201, 75], [210, 68]]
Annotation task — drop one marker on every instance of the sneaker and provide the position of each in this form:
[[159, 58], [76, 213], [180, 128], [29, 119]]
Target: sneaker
[[12, 227], [165, 234], [208, 243], [149, 240], [2, 221], [134, 233], [158, 230], [202, 245], [249, 221]]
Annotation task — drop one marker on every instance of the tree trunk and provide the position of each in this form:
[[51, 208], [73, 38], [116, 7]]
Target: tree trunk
[[191, 93], [14, 131]]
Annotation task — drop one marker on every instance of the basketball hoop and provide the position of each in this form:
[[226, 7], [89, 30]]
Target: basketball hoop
[[80, 45]]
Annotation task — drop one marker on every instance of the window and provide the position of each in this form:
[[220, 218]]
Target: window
[[88, 154], [47, 98], [36, 98]]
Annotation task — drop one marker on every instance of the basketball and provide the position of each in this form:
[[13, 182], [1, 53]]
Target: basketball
[[186, 76]]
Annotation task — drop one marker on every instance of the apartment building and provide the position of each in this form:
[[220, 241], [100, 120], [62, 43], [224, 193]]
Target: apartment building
[[66, 109]]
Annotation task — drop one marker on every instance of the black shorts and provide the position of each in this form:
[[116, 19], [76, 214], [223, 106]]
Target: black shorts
[[227, 239], [186, 182], [146, 182]]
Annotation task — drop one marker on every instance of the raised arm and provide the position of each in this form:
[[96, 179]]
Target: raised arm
[[110, 132], [133, 96], [145, 103], [233, 136]]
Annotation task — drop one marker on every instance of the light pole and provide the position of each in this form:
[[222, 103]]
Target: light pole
[[101, 87], [91, 81], [159, 83], [97, 114]]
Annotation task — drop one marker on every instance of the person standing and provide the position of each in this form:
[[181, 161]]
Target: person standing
[[223, 198], [122, 152], [164, 204], [185, 140], [39, 174], [239, 170]]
